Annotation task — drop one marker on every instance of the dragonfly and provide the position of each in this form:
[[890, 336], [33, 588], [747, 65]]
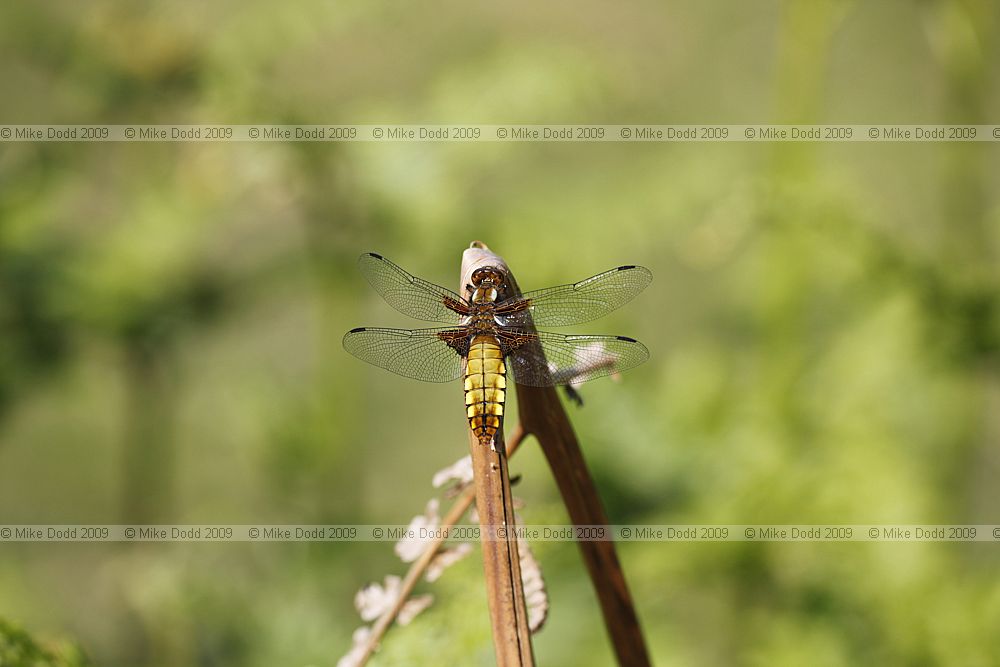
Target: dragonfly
[[494, 333]]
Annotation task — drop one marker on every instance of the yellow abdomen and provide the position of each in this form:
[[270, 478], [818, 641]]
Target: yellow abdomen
[[485, 382]]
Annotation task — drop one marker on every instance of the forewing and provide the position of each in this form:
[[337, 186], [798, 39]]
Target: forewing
[[543, 359], [421, 354], [576, 303], [411, 295]]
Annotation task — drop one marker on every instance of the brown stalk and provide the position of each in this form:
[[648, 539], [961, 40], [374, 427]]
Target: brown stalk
[[458, 509], [501, 562], [543, 416]]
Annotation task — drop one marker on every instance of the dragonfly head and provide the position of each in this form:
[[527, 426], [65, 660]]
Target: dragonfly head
[[487, 283], [487, 276]]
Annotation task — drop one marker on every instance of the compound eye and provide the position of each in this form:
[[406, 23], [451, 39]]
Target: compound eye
[[479, 275]]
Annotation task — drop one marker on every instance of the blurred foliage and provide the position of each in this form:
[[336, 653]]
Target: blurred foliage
[[18, 649], [824, 323]]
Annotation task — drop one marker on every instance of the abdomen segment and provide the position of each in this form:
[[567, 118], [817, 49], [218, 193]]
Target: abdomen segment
[[485, 387]]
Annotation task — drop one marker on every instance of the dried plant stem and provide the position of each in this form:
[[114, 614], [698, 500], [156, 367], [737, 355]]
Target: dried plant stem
[[417, 569], [494, 502], [501, 560], [543, 416]]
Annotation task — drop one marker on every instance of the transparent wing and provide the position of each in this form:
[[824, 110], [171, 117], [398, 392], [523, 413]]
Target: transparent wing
[[577, 303], [543, 359], [421, 354], [411, 295]]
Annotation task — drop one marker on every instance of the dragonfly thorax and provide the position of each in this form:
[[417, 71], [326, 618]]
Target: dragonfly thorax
[[483, 318], [485, 294]]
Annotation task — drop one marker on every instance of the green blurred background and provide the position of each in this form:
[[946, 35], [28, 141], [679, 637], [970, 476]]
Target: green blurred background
[[824, 322]]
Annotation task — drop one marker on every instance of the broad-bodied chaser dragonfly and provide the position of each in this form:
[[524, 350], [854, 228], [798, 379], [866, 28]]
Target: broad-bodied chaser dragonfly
[[487, 332]]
